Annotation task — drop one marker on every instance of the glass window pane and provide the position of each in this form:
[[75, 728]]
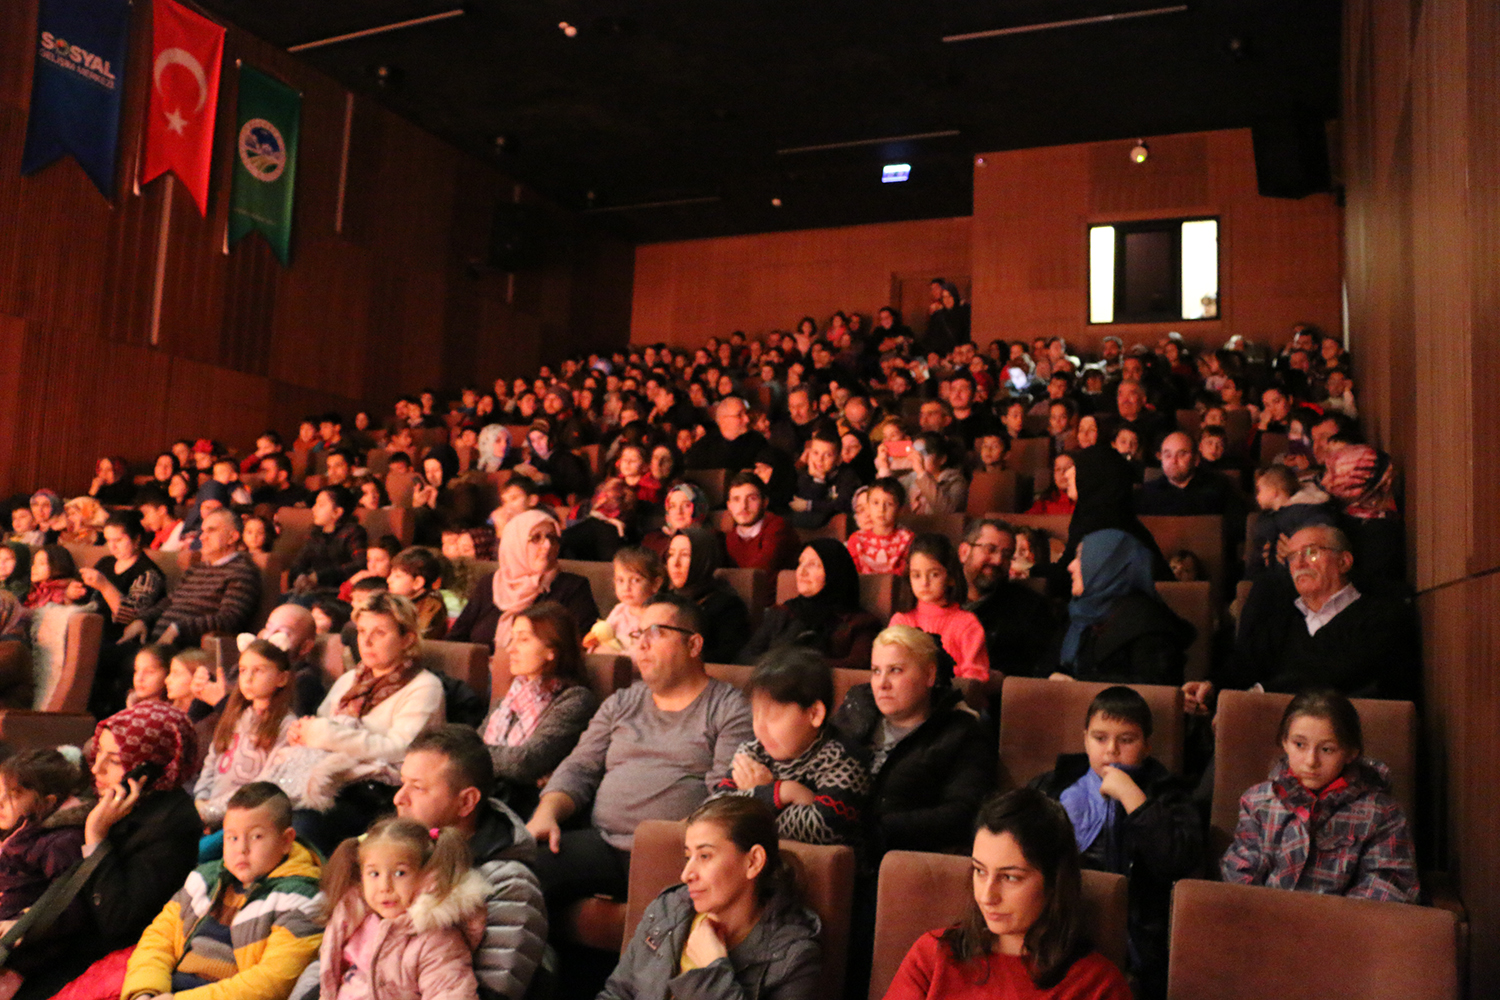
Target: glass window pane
[[1200, 269], [1102, 274]]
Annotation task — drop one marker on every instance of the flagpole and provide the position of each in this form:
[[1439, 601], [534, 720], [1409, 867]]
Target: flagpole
[[163, 233]]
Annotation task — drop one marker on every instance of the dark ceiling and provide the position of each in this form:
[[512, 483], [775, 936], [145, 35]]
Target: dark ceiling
[[694, 103]]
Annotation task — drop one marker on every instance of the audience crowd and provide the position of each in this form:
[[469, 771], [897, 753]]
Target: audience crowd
[[286, 795]]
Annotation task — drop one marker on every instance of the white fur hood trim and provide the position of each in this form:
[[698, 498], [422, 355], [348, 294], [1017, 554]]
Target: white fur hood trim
[[468, 897]]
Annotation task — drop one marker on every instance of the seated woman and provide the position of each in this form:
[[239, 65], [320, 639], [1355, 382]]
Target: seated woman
[[1057, 498], [16, 682], [493, 448], [527, 574], [556, 470], [546, 708], [84, 516], [608, 527], [440, 498], [1023, 935], [1358, 845], [825, 615], [694, 555], [1119, 631], [129, 582], [112, 483], [930, 760], [371, 714], [687, 507], [150, 827], [632, 465], [735, 928]]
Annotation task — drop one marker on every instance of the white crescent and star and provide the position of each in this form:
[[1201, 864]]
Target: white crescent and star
[[181, 57]]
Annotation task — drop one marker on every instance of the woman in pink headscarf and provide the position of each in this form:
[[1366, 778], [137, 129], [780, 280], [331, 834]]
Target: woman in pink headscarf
[[527, 573]]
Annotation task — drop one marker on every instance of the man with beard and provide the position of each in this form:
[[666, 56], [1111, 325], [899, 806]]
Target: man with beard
[[1017, 620]]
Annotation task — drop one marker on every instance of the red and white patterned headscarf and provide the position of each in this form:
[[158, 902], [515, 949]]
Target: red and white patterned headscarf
[[152, 731]]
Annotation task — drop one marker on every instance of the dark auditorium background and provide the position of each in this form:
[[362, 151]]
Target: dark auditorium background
[[398, 300]]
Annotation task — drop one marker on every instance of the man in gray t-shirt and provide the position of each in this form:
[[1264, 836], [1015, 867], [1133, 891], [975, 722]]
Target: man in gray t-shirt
[[652, 751]]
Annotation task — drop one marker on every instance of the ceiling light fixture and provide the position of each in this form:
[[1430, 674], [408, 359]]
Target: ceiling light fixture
[[895, 173], [367, 32], [1140, 151], [567, 29], [1076, 22], [914, 137]]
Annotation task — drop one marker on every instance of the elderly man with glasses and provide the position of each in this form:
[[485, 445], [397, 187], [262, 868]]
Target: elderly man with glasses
[[1360, 639], [654, 750]]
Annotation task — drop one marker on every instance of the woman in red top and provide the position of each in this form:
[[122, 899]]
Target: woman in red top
[[1058, 499], [1023, 936]]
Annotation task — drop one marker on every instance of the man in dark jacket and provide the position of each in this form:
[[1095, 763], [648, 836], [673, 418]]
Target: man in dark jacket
[[1018, 621], [734, 447]]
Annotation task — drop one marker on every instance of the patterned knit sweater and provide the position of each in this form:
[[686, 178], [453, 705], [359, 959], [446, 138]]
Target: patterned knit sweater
[[219, 598], [839, 783]]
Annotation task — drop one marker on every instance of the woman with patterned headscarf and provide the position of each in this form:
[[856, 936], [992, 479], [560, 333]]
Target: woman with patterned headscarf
[[607, 528], [687, 507]]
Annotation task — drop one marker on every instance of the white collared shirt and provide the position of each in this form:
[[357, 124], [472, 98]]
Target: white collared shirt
[[1331, 607]]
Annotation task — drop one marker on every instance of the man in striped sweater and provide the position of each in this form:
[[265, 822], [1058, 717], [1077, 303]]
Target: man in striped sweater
[[218, 594]]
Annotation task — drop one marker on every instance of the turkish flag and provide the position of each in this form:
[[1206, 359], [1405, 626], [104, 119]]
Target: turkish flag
[[187, 52]]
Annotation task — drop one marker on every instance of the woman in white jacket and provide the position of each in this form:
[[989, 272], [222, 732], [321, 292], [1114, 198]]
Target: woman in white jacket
[[372, 713]]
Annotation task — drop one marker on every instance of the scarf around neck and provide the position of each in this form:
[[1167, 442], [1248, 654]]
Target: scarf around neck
[[368, 691], [518, 713]]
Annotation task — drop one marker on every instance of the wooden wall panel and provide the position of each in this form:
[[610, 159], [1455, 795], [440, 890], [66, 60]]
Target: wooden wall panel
[[360, 316], [1280, 259], [689, 291]]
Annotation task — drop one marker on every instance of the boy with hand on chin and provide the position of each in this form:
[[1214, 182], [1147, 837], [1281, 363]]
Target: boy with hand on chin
[[1130, 816]]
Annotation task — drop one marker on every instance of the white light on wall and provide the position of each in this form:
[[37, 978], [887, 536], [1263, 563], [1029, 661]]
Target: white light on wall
[[895, 173], [1200, 269], [1102, 274]]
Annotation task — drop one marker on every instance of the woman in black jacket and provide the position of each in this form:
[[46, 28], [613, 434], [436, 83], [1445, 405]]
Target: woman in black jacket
[[142, 837], [825, 615], [1119, 630], [693, 555]]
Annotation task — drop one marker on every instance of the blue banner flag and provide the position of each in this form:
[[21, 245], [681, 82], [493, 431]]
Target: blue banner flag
[[77, 85]]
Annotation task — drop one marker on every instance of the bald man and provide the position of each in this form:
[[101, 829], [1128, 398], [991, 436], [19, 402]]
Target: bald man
[[291, 627], [1183, 488]]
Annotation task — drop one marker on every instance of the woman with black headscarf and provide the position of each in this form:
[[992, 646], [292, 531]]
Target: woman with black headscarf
[[441, 500], [692, 557], [1104, 495], [825, 615]]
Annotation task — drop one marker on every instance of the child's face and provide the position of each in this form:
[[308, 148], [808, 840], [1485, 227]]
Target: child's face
[[1183, 570], [785, 729], [631, 588], [881, 511], [253, 845], [179, 682], [150, 680], [1126, 443], [1211, 448], [254, 534], [862, 512], [41, 567], [991, 451], [513, 500], [260, 678], [403, 584], [1267, 496], [822, 456], [15, 804], [377, 562], [630, 463], [322, 624], [1314, 753], [450, 544], [389, 876], [1110, 741], [7, 562], [21, 519], [929, 580]]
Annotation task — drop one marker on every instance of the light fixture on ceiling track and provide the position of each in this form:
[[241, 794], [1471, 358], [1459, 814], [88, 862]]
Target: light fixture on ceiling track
[[1025, 29], [381, 30]]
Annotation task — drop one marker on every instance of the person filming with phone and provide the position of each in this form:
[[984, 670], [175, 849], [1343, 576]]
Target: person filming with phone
[[140, 841]]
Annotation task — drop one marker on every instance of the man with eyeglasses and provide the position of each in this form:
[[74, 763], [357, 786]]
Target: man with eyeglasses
[[1017, 620], [1361, 640], [654, 750]]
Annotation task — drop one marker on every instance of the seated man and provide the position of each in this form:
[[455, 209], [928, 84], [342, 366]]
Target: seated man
[[759, 538], [448, 780], [1018, 621], [654, 750], [241, 928], [735, 445], [218, 594], [1185, 489], [277, 488], [1326, 634]]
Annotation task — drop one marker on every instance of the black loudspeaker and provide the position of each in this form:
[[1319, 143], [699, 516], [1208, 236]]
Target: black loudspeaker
[[517, 237], [1291, 156]]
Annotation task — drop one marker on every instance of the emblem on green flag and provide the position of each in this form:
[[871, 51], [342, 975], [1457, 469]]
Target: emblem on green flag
[[265, 161]]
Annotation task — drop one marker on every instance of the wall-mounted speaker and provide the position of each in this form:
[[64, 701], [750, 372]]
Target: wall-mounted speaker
[[517, 237], [1291, 156]]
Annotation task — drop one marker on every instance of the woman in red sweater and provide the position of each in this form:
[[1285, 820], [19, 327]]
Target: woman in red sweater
[[1023, 936]]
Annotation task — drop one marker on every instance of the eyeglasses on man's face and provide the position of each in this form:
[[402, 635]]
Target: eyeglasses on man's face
[[651, 633], [1311, 553]]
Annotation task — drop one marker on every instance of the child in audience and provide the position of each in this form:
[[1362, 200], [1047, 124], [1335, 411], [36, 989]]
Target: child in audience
[[825, 487], [258, 534], [177, 686], [241, 928], [54, 580], [43, 823], [1130, 816], [938, 582], [149, 682], [1287, 505], [812, 780], [405, 912], [329, 615], [24, 528], [639, 574], [1185, 566], [1325, 820], [989, 451], [378, 557], [417, 574], [15, 568], [882, 547], [934, 486]]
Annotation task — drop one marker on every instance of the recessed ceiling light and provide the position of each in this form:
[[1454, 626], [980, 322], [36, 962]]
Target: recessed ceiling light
[[895, 173]]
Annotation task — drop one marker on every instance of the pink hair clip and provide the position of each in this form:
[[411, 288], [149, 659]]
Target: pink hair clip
[[433, 833]]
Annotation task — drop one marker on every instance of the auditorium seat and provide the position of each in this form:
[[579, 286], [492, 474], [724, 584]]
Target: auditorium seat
[[296, 528], [589, 453], [1200, 534], [1041, 718], [711, 482], [996, 490], [1194, 602], [951, 525], [838, 527], [465, 661], [606, 673], [881, 594], [381, 521], [601, 578], [1239, 942], [1031, 456], [826, 878], [61, 717], [755, 587], [919, 892], [1272, 447], [1245, 748]]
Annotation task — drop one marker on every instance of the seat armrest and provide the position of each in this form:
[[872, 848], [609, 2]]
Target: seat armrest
[[22, 729]]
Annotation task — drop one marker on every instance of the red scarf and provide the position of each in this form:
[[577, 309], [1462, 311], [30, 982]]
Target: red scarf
[[47, 592]]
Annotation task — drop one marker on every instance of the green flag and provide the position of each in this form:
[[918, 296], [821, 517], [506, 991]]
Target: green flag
[[265, 161]]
